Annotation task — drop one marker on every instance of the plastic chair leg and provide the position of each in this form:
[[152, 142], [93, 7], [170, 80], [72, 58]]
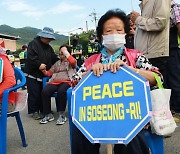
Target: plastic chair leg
[[3, 139], [21, 130]]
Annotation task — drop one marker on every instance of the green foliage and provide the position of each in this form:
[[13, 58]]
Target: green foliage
[[84, 38], [27, 34]]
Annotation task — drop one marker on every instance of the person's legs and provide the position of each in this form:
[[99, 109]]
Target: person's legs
[[62, 96], [34, 89], [161, 63], [173, 81], [46, 100], [81, 145], [136, 146], [46, 97], [61, 102]]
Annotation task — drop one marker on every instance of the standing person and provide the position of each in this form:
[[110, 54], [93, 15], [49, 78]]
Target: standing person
[[130, 36], [173, 63], [77, 50], [60, 81], [40, 56], [152, 32], [92, 47], [111, 30], [23, 56]]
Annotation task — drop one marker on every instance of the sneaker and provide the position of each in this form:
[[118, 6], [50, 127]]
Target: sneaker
[[36, 116], [61, 120], [176, 116], [47, 118]]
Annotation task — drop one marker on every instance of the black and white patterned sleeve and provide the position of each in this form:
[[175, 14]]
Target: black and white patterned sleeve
[[143, 63], [78, 75]]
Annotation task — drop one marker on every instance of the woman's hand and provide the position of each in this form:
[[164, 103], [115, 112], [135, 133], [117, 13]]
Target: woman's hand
[[113, 67], [42, 67], [44, 72], [65, 52], [99, 68]]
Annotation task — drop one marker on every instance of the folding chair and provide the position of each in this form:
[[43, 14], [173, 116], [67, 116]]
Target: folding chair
[[20, 81]]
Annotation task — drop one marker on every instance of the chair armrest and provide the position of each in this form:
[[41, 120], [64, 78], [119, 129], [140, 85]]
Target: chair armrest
[[5, 95], [45, 80]]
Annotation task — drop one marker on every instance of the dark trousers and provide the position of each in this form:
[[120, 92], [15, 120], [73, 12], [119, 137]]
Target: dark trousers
[[81, 145], [61, 99], [173, 78], [34, 89], [161, 63]]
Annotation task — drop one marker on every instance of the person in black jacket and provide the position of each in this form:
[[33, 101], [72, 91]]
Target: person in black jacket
[[40, 56]]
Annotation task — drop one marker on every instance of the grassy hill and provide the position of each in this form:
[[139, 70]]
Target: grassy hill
[[26, 34]]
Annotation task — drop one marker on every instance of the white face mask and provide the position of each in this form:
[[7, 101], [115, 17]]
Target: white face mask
[[113, 42]]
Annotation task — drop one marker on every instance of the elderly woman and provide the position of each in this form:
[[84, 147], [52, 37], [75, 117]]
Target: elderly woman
[[111, 31], [8, 79], [60, 81]]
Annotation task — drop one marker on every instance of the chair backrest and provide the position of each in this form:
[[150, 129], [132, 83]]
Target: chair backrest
[[20, 81], [20, 78]]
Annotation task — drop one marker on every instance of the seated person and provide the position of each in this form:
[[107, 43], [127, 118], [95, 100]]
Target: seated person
[[8, 80], [60, 81], [111, 30]]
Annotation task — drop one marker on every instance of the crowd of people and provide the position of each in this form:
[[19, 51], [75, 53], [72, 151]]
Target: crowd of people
[[155, 33]]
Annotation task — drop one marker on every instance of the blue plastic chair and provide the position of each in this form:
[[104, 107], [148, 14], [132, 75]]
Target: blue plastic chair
[[69, 94], [154, 141], [20, 81]]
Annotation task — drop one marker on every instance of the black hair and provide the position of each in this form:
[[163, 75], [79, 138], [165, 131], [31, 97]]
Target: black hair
[[8, 52], [108, 15], [75, 40], [24, 47], [67, 46]]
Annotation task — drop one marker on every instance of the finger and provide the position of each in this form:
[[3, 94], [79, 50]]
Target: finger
[[101, 70], [105, 67], [94, 71], [115, 67], [112, 67]]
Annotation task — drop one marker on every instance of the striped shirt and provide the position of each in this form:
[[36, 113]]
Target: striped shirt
[[175, 14]]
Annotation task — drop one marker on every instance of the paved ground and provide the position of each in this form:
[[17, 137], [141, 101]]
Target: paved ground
[[53, 139]]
